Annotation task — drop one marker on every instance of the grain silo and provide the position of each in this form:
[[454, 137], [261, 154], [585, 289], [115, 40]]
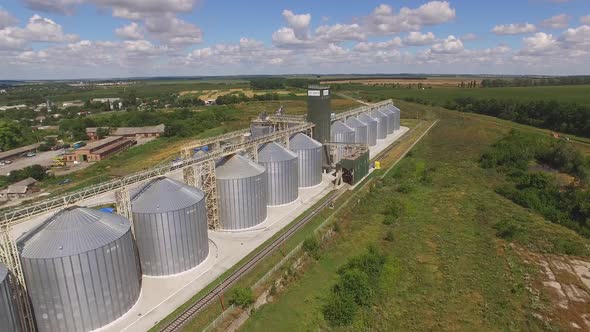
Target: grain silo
[[9, 316], [371, 128], [397, 116], [282, 177], [319, 111], [170, 221], [390, 119], [341, 133], [361, 131], [309, 154], [381, 124], [81, 269], [241, 186]]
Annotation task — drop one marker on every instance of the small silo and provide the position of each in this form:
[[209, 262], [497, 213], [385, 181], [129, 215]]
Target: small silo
[[9, 316], [390, 119], [381, 124], [282, 177], [309, 154], [361, 131], [81, 269], [371, 128], [241, 186], [170, 220], [341, 133]]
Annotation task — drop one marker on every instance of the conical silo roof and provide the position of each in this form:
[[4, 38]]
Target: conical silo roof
[[272, 152], [73, 231], [165, 195], [355, 123], [386, 110], [378, 114], [238, 167], [340, 127], [366, 118], [303, 142]]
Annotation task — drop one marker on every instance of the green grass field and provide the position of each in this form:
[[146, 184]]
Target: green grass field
[[447, 269], [578, 93]]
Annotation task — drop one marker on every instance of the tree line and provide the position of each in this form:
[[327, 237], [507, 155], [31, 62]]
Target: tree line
[[570, 118], [277, 83], [535, 81]]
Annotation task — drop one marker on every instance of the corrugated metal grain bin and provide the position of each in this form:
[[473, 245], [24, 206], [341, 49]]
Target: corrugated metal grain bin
[[282, 176], [81, 269], [371, 126], [241, 185], [309, 153], [397, 117], [361, 131], [341, 133], [9, 317], [170, 220], [381, 124], [390, 119]]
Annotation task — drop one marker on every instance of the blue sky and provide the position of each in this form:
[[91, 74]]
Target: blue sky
[[119, 38]]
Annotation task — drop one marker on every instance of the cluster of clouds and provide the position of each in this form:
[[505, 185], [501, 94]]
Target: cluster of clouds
[[156, 37]]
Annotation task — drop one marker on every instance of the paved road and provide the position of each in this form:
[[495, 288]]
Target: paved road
[[42, 158]]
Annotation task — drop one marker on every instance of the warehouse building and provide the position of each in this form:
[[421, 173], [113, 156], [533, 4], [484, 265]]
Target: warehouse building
[[131, 132], [101, 149]]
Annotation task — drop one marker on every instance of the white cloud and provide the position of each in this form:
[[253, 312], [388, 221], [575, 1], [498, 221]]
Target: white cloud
[[514, 29], [53, 6], [383, 20], [415, 38], [299, 23], [171, 30], [130, 9], [386, 45], [539, 44], [131, 31], [6, 19], [38, 29], [449, 45], [556, 22], [585, 19], [339, 32], [578, 37], [285, 37]]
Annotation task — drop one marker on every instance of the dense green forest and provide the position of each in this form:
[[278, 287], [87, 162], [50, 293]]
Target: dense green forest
[[531, 164]]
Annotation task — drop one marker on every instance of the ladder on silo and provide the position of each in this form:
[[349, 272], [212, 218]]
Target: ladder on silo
[[123, 203], [202, 176], [9, 256]]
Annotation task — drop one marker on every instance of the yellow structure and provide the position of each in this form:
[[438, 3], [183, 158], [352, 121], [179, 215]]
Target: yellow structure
[[377, 165]]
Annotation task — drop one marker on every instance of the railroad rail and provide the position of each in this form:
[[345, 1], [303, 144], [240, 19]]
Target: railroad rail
[[194, 309]]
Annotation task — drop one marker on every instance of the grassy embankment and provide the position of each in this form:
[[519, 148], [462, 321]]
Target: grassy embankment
[[447, 267]]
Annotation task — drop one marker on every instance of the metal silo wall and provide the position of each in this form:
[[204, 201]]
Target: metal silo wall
[[282, 181], [381, 126], [9, 317], [310, 166], [390, 120], [319, 112], [371, 131], [85, 291], [361, 134], [242, 202], [397, 119], [172, 242], [342, 137]]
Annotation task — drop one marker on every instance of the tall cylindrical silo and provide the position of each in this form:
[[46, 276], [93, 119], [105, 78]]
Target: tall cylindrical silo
[[319, 111], [282, 177], [309, 153], [170, 220], [381, 124], [397, 113], [371, 126], [241, 186], [341, 133], [390, 119], [9, 315], [81, 269], [361, 130]]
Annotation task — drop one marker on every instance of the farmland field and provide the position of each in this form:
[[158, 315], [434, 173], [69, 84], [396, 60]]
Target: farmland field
[[577, 93]]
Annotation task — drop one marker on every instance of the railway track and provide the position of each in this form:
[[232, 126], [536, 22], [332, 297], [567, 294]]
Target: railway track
[[189, 313]]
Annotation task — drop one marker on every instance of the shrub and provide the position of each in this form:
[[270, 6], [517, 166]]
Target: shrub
[[389, 236], [311, 246], [507, 229], [340, 310], [242, 297]]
